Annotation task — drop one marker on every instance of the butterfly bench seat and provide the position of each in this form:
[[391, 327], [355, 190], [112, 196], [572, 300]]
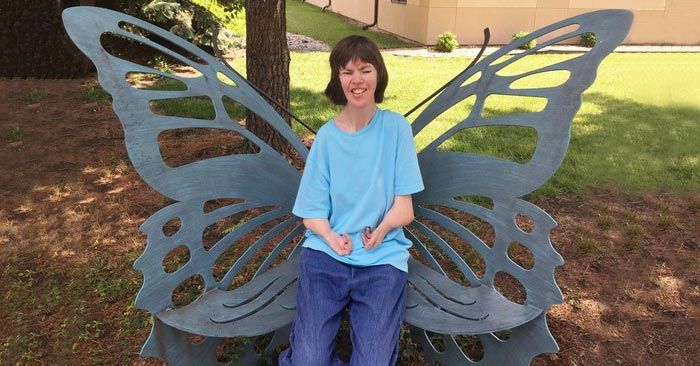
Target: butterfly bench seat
[[267, 303]]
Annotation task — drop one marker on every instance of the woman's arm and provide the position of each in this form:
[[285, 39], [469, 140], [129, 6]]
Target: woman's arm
[[400, 214], [321, 227]]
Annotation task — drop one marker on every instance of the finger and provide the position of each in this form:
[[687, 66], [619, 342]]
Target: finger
[[342, 245]]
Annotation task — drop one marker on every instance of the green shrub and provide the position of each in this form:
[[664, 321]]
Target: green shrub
[[587, 39], [527, 45], [194, 20], [159, 62], [446, 42]]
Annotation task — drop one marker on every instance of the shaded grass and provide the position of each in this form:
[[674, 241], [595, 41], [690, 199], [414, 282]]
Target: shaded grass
[[330, 27], [95, 93], [69, 309], [33, 96], [15, 133]]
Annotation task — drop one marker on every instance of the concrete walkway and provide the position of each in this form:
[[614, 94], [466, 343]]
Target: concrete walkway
[[473, 51]]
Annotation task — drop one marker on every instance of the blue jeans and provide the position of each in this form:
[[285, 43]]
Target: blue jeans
[[376, 298]]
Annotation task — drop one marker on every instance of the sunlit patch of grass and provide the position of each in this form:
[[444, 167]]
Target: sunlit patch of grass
[[109, 175], [631, 132], [634, 234], [633, 231], [668, 222], [575, 303], [580, 230], [330, 27], [234, 227], [643, 140], [605, 221], [120, 165], [57, 193], [590, 246], [8, 230], [24, 208]]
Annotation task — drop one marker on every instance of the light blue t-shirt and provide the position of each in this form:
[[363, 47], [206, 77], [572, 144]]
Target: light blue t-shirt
[[351, 180]]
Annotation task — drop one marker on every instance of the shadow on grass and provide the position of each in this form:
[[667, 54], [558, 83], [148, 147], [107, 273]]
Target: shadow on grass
[[312, 107], [614, 142], [632, 146]]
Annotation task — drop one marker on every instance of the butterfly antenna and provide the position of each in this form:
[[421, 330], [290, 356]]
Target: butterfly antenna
[[219, 55], [487, 36]]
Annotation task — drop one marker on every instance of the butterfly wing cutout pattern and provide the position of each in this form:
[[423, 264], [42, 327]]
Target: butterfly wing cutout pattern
[[265, 179], [256, 180], [446, 308]]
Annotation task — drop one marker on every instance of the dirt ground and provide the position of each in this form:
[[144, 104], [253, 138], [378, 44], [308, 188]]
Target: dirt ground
[[72, 204]]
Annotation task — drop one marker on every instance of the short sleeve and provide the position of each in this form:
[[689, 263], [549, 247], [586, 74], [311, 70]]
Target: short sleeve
[[313, 198], [407, 179]]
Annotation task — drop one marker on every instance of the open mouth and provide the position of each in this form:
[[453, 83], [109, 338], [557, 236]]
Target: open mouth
[[358, 91]]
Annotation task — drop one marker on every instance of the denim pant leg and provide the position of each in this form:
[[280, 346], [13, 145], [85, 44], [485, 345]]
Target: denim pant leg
[[378, 304], [322, 295]]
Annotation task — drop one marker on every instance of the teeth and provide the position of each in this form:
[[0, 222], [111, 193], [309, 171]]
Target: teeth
[[358, 91]]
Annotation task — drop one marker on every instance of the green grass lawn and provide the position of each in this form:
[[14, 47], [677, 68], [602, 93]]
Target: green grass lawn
[[638, 128], [330, 27], [308, 20]]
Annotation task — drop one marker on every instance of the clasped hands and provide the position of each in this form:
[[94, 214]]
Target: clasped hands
[[342, 244]]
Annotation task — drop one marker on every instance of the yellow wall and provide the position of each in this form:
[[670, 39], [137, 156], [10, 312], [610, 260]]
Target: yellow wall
[[656, 21]]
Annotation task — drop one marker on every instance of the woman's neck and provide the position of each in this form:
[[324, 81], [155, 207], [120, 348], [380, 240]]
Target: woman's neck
[[354, 119]]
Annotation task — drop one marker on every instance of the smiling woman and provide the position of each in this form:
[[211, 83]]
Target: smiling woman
[[355, 197], [359, 82], [355, 57]]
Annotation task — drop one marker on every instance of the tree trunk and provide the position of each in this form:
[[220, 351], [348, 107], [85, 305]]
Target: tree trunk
[[267, 63], [33, 42]]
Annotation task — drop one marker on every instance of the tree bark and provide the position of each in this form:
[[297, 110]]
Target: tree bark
[[267, 63], [33, 42]]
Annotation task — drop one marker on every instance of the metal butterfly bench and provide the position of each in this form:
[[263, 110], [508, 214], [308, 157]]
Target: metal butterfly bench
[[266, 304]]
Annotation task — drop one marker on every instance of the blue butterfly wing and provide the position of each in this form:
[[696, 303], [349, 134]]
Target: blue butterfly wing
[[262, 181], [449, 175]]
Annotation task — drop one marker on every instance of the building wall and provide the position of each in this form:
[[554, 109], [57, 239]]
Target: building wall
[[656, 21]]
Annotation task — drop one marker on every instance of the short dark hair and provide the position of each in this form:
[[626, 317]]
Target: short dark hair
[[355, 48]]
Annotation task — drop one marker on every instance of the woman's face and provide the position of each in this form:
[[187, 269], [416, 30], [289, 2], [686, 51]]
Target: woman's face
[[359, 81]]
